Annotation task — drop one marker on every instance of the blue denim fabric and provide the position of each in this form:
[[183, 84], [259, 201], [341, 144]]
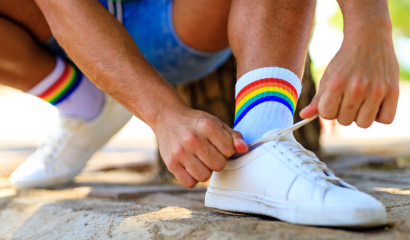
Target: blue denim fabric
[[150, 24]]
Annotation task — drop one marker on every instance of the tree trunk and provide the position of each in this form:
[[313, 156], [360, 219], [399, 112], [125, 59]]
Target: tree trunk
[[215, 94]]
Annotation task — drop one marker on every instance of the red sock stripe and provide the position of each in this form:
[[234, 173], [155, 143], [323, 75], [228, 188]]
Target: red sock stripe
[[265, 80], [57, 84]]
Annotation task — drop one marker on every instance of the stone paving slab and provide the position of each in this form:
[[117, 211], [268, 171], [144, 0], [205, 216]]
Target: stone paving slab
[[68, 215], [71, 213], [132, 192], [132, 205]]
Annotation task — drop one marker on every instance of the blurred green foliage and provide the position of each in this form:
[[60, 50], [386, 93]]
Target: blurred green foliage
[[400, 16], [399, 13], [337, 20]]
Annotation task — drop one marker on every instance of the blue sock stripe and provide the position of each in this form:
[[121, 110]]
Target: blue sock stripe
[[77, 82]]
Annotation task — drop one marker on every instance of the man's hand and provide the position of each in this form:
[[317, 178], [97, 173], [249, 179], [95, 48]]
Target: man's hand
[[194, 143], [361, 83]]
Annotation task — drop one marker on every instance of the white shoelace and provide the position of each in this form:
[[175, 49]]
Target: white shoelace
[[282, 133], [301, 156]]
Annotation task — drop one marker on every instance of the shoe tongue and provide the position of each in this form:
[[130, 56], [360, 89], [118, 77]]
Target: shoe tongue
[[288, 137]]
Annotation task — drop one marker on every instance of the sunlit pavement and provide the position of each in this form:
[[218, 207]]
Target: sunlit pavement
[[110, 200]]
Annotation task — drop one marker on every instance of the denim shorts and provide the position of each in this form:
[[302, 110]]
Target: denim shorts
[[149, 22]]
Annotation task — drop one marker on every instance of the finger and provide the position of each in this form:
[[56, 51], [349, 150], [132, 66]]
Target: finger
[[211, 157], [196, 168], [371, 107], [367, 113], [349, 109], [331, 95], [388, 107], [329, 104], [217, 136], [238, 141], [201, 148], [310, 110], [182, 176], [313, 108]]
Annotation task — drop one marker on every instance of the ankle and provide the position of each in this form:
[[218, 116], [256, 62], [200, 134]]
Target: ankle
[[265, 99]]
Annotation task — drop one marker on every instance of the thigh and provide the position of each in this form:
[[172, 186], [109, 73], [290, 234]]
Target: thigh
[[27, 14], [202, 24]]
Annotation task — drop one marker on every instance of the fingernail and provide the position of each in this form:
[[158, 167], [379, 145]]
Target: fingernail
[[241, 141]]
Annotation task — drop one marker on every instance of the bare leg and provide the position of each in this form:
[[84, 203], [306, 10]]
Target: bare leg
[[23, 61], [262, 33], [28, 15], [267, 33]]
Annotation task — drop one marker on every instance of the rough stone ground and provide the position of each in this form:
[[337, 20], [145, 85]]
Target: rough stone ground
[[124, 204]]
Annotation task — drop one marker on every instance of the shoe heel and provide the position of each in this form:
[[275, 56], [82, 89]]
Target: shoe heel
[[234, 204]]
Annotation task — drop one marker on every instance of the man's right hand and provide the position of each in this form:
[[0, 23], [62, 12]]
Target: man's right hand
[[194, 143]]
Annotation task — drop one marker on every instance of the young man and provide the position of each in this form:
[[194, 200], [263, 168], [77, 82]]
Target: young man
[[182, 40]]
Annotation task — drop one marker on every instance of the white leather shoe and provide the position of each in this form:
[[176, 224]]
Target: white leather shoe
[[69, 146], [283, 180]]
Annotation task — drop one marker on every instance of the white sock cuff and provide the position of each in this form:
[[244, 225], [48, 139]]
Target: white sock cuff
[[48, 81], [268, 72]]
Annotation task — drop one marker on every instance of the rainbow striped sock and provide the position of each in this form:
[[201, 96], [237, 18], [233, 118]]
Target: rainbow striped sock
[[266, 99], [70, 91], [69, 80]]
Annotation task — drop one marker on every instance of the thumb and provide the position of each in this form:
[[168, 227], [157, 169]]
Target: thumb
[[313, 108], [239, 143]]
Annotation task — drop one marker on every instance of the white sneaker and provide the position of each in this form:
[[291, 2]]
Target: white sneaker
[[283, 180], [69, 146]]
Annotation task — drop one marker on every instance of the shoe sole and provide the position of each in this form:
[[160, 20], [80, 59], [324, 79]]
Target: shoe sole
[[46, 183], [336, 215]]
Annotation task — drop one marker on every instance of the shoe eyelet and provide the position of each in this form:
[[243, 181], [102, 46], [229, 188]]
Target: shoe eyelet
[[289, 160], [281, 153]]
